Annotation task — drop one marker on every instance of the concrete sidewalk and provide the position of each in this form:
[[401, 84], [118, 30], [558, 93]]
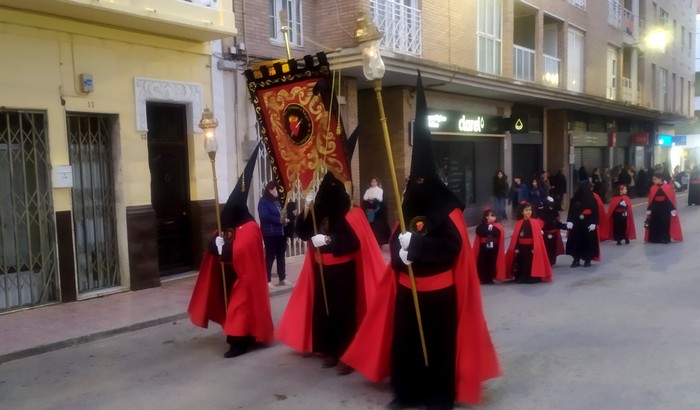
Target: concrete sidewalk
[[47, 328]]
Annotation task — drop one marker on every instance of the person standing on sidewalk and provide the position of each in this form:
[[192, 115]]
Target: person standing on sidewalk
[[272, 224], [662, 223], [500, 194], [340, 271], [582, 223], [245, 317]]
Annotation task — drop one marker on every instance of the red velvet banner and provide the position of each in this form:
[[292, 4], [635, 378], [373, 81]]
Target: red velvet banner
[[299, 121]]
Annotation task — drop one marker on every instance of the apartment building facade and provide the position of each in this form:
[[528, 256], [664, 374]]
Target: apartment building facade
[[580, 78], [104, 182]]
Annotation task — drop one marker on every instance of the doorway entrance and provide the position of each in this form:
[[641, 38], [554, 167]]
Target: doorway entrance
[[170, 192]]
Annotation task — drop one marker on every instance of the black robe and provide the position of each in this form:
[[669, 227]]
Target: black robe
[[412, 382], [659, 222], [619, 222], [332, 333], [552, 235], [582, 243], [522, 262], [488, 252], [694, 188]]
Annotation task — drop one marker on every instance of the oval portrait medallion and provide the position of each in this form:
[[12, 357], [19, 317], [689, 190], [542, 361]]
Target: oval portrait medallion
[[298, 124]]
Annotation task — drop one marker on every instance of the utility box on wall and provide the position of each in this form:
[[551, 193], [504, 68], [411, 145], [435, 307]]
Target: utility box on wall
[[62, 176]]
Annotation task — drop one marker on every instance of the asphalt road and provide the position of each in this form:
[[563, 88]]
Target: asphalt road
[[623, 334]]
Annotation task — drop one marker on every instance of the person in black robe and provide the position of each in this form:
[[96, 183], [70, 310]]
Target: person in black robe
[[620, 217], [659, 213], [336, 241], [582, 222], [558, 188], [524, 247], [694, 187], [641, 184], [551, 230], [490, 243]]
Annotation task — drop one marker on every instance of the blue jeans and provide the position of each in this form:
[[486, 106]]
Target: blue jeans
[[499, 206]]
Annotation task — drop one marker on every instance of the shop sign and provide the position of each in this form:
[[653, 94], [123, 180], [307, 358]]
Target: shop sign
[[612, 139], [665, 140], [460, 122], [678, 140], [640, 138]]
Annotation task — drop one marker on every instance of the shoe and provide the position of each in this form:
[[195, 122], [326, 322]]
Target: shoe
[[343, 369], [397, 404], [329, 362], [619, 243], [627, 241], [575, 264], [285, 282], [587, 264], [270, 286], [235, 351]]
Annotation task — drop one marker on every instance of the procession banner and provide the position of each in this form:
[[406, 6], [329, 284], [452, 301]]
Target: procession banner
[[299, 122]]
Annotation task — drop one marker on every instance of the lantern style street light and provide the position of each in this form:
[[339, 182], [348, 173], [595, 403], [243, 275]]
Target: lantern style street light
[[208, 124], [367, 37]]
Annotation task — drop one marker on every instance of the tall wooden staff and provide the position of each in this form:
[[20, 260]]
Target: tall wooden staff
[[367, 37]]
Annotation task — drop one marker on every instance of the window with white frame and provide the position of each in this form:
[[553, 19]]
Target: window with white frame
[[575, 66], [293, 9], [489, 36], [663, 90]]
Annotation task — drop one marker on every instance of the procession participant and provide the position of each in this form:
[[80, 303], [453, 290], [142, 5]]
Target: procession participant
[[620, 217], [488, 248], [460, 354], [663, 223], [551, 230], [526, 258], [582, 221], [694, 187], [603, 223], [323, 313], [246, 319]]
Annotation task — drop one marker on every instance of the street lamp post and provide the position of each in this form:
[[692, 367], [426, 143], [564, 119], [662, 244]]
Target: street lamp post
[[208, 124], [367, 37]]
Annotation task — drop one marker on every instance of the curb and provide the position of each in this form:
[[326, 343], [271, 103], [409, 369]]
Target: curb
[[37, 350]]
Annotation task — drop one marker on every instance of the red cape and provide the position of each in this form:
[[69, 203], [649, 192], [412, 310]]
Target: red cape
[[631, 231], [603, 222], [540, 259], [476, 361], [248, 310], [675, 229], [295, 327], [500, 259]]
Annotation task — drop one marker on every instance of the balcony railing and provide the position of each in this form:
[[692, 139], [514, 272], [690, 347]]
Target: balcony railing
[[523, 63], [615, 13], [630, 92], [550, 68], [400, 24], [579, 3]]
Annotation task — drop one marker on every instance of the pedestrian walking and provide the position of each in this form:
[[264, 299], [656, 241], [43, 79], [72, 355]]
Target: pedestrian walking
[[489, 248], [551, 229], [272, 224], [436, 247], [536, 198], [663, 223], [518, 192], [583, 174], [694, 187], [582, 221], [245, 316], [620, 217], [339, 274], [500, 194], [526, 258]]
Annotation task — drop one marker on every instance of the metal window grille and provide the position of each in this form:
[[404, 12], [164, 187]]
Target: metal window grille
[[27, 231], [524, 63], [93, 202], [401, 25]]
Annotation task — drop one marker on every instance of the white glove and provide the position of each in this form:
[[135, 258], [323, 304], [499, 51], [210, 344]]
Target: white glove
[[569, 225], [648, 212], [550, 199], [674, 213], [490, 227], [219, 241], [405, 240], [310, 197], [403, 254], [623, 203], [319, 240], [591, 227]]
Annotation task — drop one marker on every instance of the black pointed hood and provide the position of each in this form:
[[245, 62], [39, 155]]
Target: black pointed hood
[[235, 212], [426, 195], [351, 143], [332, 201]]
